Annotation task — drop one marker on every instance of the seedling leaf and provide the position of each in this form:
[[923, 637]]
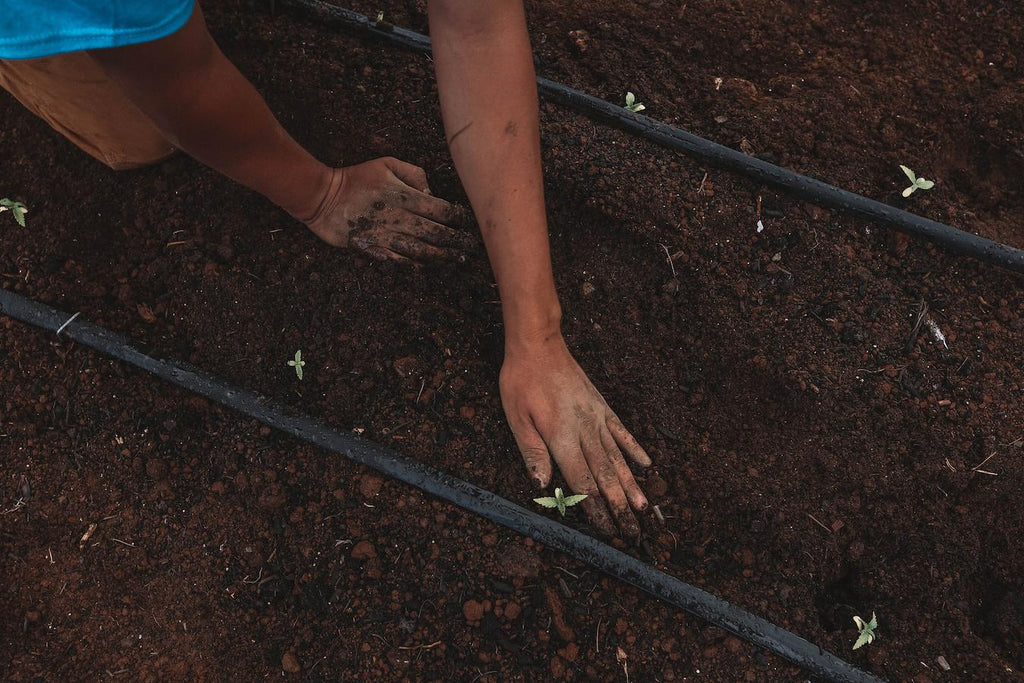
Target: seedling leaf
[[925, 184], [17, 210], [547, 502], [298, 364], [867, 631], [910, 174], [573, 500]]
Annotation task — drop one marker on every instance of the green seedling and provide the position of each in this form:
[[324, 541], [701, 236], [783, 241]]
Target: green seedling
[[915, 182], [380, 17], [17, 210], [867, 631], [632, 104], [559, 501], [298, 363]]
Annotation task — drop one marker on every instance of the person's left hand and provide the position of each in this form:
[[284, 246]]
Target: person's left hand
[[556, 413]]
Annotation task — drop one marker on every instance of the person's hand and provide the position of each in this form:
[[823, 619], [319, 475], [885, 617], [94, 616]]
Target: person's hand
[[384, 209], [556, 413]]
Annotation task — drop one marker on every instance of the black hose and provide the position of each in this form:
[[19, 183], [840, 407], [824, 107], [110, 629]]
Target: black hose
[[817, 192], [484, 503]]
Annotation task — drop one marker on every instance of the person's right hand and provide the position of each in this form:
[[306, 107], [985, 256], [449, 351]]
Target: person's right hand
[[384, 209]]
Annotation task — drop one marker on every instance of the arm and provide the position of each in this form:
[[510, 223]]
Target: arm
[[203, 105], [489, 103]]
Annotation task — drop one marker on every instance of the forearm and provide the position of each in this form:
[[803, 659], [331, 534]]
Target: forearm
[[489, 102], [204, 106]]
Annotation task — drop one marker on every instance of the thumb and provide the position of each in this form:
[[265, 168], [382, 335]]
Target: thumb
[[413, 176]]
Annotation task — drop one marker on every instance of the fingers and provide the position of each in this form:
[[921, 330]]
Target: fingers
[[573, 465], [626, 441], [535, 454], [636, 497], [440, 211], [439, 235], [607, 477], [380, 253], [411, 175]]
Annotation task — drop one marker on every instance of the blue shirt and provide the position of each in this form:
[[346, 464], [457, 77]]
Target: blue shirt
[[40, 28]]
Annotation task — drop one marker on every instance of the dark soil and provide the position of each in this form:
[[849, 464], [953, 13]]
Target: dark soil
[[814, 458]]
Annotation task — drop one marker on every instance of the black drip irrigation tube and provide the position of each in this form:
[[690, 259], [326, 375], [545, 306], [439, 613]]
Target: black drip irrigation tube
[[552, 534], [951, 239]]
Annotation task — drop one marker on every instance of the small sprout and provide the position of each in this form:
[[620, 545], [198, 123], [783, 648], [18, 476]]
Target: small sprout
[[915, 182], [632, 105], [380, 16], [559, 501], [298, 363], [17, 210], [867, 631]]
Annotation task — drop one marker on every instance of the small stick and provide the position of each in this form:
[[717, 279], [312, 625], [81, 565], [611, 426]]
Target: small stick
[[658, 515], [87, 535], [126, 543], [817, 522], [982, 463], [61, 328]]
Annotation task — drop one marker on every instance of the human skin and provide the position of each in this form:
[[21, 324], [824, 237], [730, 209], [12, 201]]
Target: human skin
[[384, 208], [204, 106], [488, 96]]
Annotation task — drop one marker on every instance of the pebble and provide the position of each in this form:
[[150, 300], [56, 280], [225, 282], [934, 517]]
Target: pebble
[[473, 610], [370, 485], [364, 550], [290, 663]]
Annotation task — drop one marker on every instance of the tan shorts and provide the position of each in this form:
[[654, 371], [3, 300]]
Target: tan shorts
[[73, 94]]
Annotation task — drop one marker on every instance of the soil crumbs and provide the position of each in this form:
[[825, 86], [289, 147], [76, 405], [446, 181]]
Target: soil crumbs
[[819, 454]]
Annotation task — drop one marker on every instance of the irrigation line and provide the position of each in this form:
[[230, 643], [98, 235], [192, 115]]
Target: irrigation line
[[951, 239], [477, 500]]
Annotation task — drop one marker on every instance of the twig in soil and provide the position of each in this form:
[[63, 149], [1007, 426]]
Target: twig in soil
[[700, 190], [657, 513], [620, 657], [977, 468], [922, 311], [18, 504], [420, 647], [485, 673], [668, 257], [566, 591], [124, 543], [573, 575], [87, 535], [597, 638], [815, 520], [67, 322]]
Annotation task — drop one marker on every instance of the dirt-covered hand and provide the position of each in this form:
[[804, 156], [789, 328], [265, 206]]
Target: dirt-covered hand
[[384, 209], [556, 413]]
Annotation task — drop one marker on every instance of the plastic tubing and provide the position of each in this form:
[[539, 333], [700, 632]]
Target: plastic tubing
[[951, 239], [477, 500]]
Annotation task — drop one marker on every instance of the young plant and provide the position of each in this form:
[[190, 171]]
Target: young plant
[[632, 104], [17, 210], [867, 631], [915, 182], [559, 501], [298, 363]]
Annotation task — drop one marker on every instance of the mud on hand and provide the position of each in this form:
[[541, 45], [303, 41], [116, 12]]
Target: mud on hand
[[383, 208]]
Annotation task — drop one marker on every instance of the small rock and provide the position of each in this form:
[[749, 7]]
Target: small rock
[[290, 663], [587, 289], [370, 485], [364, 550], [473, 610]]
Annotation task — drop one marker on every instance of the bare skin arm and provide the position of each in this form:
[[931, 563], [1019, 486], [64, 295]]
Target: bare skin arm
[[203, 105], [489, 101]]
